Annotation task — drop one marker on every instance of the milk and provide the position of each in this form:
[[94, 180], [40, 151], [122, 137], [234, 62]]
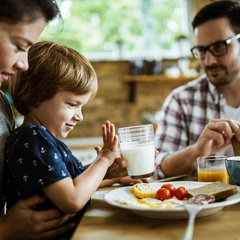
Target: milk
[[140, 160]]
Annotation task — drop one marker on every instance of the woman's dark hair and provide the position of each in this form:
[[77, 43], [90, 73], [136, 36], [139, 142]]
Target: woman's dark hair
[[220, 9], [14, 11]]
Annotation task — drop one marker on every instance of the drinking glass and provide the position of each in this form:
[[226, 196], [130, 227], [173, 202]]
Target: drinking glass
[[137, 146], [212, 168]]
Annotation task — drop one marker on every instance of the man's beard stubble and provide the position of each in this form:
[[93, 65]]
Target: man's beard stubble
[[218, 79]]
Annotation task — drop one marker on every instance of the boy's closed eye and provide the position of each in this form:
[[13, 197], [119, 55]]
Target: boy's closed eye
[[72, 104]]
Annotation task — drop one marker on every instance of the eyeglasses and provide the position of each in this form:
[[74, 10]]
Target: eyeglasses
[[217, 49]]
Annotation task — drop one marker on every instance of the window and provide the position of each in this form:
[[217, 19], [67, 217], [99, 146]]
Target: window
[[111, 29]]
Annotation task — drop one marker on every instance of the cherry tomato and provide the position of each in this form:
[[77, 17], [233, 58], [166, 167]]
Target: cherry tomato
[[163, 194], [170, 187], [181, 193]]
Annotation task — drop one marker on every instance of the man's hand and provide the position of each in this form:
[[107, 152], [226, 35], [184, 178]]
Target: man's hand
[[217, 136]]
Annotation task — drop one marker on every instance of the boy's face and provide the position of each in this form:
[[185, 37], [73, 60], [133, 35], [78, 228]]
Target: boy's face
[[59, 114]]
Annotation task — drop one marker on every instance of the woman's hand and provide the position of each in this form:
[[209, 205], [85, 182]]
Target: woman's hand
[[21, 222]]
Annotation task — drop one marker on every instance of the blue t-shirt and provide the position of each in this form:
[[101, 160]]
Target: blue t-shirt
[[34, 159]]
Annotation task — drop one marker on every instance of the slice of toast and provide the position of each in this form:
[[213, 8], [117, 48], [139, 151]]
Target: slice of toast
[[236, 146], [143, 190], [217, 189]]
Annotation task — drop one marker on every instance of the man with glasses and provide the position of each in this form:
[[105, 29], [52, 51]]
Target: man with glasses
[[217, 49], [192, 121]]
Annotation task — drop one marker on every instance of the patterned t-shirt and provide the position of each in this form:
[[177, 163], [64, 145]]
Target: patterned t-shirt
[[34, 159], [184, 115]]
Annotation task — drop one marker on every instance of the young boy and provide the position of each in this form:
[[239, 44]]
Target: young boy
[[50, 96]]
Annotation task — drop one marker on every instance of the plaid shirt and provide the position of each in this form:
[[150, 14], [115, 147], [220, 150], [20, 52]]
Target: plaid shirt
[[185, 113]]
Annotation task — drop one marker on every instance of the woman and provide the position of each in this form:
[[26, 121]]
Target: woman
[[21, 23]]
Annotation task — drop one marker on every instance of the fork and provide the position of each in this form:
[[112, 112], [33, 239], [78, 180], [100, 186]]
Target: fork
[[193, 210]]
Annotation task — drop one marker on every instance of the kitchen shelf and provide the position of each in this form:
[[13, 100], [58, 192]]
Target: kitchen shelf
[[154, 78], [133, 79]]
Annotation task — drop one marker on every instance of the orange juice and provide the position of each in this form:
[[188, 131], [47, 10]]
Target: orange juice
[[210, 175]]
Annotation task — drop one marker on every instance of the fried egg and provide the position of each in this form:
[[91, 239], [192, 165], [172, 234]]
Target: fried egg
[[149, 202]]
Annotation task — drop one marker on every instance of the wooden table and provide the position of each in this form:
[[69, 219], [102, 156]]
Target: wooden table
[[105, 222]]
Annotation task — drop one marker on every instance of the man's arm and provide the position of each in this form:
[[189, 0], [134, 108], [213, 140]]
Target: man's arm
[[215, 137]]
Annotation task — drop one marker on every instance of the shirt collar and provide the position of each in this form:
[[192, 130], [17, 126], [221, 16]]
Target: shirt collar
[[217, 96]]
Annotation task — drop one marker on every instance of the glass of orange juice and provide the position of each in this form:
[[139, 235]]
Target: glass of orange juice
[[211, 169]]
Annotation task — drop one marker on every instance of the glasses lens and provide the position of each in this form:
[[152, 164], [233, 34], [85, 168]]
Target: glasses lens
[[198, 52], [218, 49]]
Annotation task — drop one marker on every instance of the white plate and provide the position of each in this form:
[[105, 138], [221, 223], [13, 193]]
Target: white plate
[[174, 213]]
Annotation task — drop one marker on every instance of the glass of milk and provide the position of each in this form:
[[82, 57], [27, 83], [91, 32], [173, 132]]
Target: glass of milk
[[137, 146]]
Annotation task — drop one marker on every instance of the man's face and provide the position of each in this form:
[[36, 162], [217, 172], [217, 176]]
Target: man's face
[[220, 70]]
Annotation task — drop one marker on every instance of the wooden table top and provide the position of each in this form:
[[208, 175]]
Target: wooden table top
[[105, 222]]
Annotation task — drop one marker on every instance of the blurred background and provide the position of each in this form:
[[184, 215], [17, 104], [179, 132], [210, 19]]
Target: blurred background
[[140, 50], [106, 29]]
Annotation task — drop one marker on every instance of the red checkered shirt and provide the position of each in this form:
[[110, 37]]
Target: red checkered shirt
[[185, 113]]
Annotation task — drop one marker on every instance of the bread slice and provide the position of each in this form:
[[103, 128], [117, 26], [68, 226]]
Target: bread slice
[[143, 190], [217, 189], [236, 146]]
